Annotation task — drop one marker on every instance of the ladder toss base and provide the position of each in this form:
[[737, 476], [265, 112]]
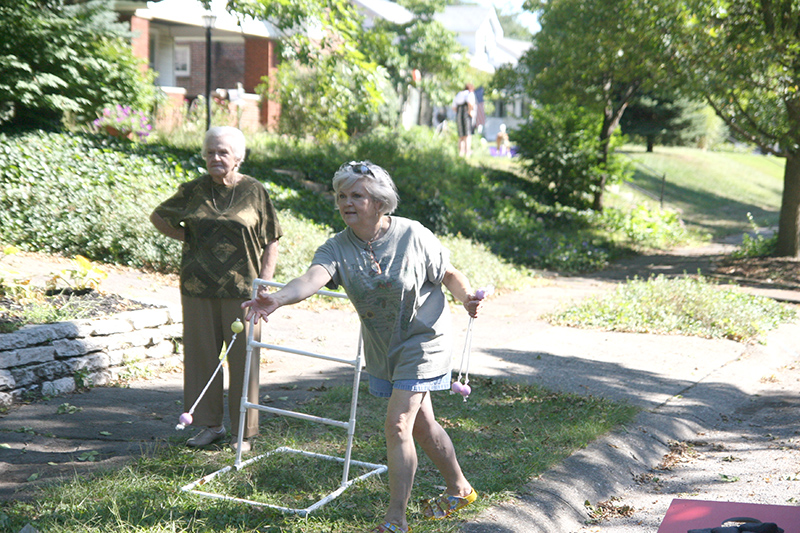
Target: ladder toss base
[[346, 461]]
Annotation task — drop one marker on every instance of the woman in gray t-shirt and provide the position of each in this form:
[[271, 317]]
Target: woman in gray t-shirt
[[393, 270]]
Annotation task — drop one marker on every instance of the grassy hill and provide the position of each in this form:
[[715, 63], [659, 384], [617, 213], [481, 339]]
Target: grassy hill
[[713, 191]]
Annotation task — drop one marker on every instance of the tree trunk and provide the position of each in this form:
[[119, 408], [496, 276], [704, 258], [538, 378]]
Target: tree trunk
[[651, 141], [789, 225], [611, 117], [610, 121]]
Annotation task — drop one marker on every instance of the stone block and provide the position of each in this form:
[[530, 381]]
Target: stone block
[[7, 380], [89, 363], [123, 341], [101, 379], [115, 358], [173, 331], [50, 371], [23, 376], [35, 335], [58, 387], [27, 356], [76, 347], [161, 350]]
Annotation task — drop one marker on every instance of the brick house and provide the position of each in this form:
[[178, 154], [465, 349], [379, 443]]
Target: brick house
[[171, 36]]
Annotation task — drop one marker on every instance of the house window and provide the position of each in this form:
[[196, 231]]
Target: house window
[[183, 60]]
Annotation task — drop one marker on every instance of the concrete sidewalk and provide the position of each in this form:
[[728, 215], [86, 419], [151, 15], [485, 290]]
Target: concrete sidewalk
[[741, 397]]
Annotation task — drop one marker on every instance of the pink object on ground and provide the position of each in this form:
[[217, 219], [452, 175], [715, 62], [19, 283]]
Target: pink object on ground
[[186, 419], [683, 515]]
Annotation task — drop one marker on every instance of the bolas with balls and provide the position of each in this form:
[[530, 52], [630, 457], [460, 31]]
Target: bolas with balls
[[462, 389]]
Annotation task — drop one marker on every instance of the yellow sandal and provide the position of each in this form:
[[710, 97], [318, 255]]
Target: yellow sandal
[[444, 505]]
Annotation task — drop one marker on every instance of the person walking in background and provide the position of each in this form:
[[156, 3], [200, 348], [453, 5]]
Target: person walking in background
[[464, 106], [393, 270], [230, 231]]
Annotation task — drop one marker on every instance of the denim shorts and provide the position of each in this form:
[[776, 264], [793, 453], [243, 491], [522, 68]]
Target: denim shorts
[[383, 388]]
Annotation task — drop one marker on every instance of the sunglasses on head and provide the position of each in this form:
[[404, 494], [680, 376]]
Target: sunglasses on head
[[357, 167]]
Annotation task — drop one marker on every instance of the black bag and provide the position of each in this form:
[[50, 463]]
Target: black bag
[[750, 525]]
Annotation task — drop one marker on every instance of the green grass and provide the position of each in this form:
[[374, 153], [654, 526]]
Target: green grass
[[713, 191], [685, 306], [505, 434]]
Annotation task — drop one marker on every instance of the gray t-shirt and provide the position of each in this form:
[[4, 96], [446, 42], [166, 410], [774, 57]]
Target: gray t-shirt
[[405, 318]]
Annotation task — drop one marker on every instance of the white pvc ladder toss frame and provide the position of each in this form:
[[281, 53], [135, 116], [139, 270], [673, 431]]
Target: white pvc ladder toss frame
[[349, 425]]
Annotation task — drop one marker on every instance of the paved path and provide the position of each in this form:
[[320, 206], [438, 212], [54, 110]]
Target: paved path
[[738, 403]]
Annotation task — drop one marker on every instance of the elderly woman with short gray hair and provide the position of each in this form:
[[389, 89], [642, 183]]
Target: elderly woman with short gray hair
[[230, 231], [393, 270]]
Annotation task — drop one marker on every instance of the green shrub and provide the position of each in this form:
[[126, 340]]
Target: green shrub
[[83, 194], [643, 227], [78, 194], [561, 148], [756, 245]]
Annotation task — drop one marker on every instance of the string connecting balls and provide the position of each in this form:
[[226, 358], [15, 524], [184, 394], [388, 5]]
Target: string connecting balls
[[186, 418], [463, 388]]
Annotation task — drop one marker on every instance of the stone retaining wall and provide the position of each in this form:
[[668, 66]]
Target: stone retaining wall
[[55, 359]]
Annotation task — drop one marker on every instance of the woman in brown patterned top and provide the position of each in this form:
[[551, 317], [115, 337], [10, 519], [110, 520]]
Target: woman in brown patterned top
[[230, 231]]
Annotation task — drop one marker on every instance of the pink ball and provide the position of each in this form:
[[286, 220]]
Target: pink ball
[[186, 419], [480, 294], [465, 390], [456, 387]]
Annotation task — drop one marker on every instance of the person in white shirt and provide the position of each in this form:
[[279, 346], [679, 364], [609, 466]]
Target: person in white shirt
[[465, 106]]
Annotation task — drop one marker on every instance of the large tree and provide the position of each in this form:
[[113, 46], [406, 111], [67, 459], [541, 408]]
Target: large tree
[[349, 65], [744, 56], [59, 56], [599, 54], [668, 119], [324, 78], [422, 44]]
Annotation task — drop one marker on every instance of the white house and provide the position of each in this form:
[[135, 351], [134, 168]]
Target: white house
[[478, 29], [383, 10]]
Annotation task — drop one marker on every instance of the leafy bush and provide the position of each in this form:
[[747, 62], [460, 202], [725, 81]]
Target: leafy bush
[[757, 245], [643, 227], [76, 194], [684, 306], [562, 151], [81, 194], [62, 58]]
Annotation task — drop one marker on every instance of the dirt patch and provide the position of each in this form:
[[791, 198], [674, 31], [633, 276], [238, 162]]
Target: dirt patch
[[782, 271], [42, 309]]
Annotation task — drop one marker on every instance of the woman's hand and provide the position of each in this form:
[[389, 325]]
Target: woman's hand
[[300, 288], [261, 307], [475, 302]]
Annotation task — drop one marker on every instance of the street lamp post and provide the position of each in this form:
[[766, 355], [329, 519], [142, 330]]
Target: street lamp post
[[209, 20]]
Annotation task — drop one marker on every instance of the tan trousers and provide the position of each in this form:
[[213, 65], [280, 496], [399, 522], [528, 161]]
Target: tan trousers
[[206, 324]]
